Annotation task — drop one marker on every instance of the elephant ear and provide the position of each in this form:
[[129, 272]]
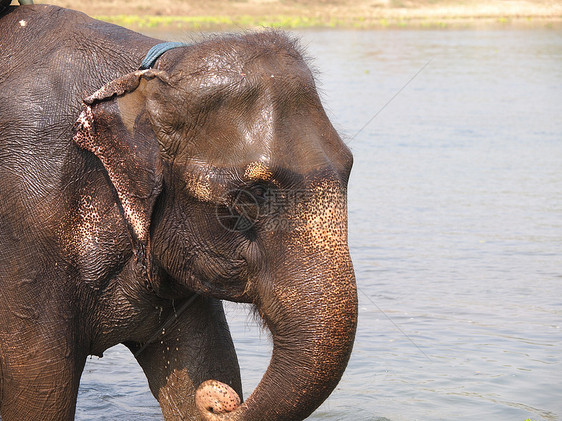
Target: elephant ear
[[115, 126]]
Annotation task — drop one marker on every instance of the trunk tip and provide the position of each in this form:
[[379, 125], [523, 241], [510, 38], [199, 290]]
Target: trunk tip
[[213, 398]]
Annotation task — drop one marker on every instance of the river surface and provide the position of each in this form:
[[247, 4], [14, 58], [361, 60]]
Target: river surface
[[455, 214]]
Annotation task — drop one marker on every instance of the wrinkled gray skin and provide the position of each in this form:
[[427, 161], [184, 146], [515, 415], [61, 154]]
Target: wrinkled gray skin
[[112, 182]]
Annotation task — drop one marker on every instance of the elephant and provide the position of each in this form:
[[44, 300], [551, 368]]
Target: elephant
[[134, 201]]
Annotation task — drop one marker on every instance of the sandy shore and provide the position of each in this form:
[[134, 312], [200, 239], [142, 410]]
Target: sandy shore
[[226, 14]]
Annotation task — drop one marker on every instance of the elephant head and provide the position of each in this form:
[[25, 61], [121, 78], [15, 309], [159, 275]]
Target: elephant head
[[233, 183]]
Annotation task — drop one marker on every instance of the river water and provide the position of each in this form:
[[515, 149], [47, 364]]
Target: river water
[[455, 212]]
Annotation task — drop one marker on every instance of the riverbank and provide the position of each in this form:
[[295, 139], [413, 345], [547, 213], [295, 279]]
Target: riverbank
[[360, 14]]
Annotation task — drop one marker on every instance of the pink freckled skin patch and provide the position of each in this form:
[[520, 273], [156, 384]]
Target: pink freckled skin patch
[[214, 397]]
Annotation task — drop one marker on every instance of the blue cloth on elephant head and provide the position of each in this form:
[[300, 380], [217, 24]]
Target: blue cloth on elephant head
[[157, 51]]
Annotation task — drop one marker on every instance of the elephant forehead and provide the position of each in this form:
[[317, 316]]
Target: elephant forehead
[[274, 121], [257, 120], [262, 139]]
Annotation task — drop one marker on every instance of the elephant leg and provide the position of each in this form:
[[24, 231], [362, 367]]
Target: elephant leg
[[195, 348], [39, 385]]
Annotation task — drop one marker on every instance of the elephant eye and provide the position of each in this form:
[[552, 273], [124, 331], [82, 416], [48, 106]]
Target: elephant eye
[[244, 207], [259, 191]]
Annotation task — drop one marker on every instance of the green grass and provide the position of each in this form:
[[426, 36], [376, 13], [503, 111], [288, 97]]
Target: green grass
[[242, 22], [213, 23]]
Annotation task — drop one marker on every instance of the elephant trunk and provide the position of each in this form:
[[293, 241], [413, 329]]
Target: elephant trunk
[[309, 303], [312, 320]]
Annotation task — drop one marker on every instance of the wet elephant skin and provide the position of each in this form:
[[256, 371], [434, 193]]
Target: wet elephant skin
[[126, 193]]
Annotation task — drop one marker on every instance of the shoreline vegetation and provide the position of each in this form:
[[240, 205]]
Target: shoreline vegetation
[[218, 15]]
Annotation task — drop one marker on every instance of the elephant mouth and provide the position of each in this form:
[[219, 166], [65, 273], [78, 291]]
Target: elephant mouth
[[208, 276]]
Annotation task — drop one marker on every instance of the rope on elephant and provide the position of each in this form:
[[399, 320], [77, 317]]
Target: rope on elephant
[[157, 51]]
